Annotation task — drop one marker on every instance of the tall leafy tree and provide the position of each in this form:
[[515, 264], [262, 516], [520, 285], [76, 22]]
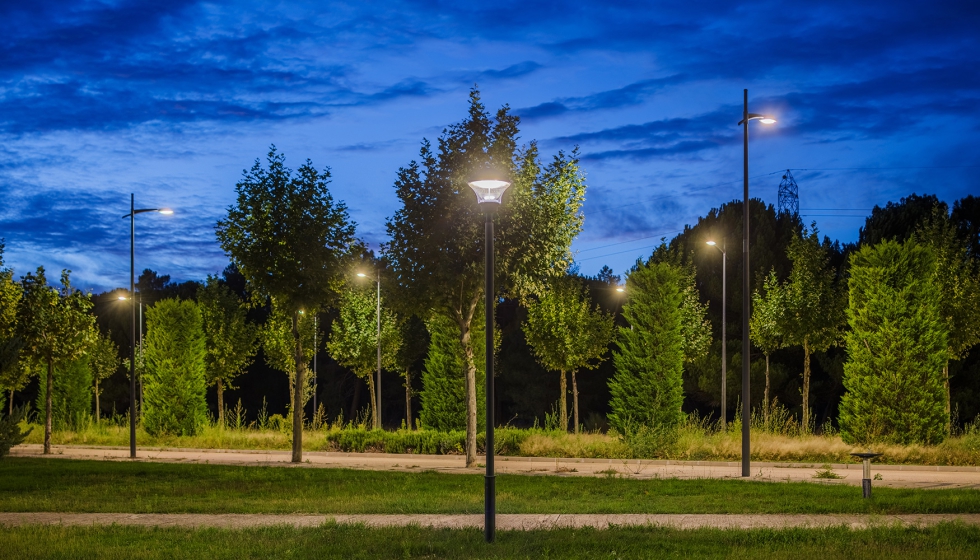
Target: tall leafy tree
[[897, 347], [567, 334], [767, 323], [56, 328], [814, 304], [278, 345], [437, 236], [291, 241], [354, 339], [174, 385], [958, 280], [103, 362], [647, 387], [231, 341], [13, 373]]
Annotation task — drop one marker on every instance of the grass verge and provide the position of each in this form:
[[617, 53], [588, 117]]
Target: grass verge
[[339, 541], [64, 485]]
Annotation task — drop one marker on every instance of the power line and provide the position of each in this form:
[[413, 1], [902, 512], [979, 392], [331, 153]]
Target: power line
[[629, 241]]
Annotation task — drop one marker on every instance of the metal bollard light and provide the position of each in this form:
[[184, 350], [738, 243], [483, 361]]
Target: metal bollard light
[[866, 480]]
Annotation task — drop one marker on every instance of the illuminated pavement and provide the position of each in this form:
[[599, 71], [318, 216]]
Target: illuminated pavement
[[898, 476]]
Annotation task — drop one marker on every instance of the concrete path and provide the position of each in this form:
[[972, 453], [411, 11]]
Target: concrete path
[[504, 522], [898, 476]]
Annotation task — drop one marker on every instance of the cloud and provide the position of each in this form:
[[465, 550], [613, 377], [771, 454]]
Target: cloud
[[631, 94]]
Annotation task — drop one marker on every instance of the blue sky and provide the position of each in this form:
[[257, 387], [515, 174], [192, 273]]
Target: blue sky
[[172, 100]]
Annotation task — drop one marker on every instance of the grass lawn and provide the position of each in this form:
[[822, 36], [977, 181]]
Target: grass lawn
[[336, 541], [28, 484]]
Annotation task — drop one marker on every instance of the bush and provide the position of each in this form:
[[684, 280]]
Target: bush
[[174, 385], [10, 432]]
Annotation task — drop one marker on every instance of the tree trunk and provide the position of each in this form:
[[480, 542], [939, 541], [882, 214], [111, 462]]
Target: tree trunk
[[298, 393], [563, 402], [806, 385], [408, 399], [949, 403], [575, 400], [765, 399], [47, 408], [98, 414], [466, 341], [355, 400], [11, 413], [221, 404], [374, 402]]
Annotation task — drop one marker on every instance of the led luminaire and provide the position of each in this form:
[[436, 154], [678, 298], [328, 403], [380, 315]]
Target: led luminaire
[[489, 190]]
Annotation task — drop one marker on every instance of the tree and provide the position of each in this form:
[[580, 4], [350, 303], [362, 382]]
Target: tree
[[103, 362], [414, 347], [814, 305], [444, 382], [898, 220], [13, 373], [567, 334], [291, 242], [695, 326], [278, 346], [174, 386], [647, 387], [437, 236], [957, 279], [230, 340], [897, 347], [354, 339], [71, 394], [766, 325], [56, 329]]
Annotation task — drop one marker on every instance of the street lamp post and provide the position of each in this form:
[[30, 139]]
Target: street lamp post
[[724, 337], [377, 279], [132, 303], [746, 418], [489, 191]]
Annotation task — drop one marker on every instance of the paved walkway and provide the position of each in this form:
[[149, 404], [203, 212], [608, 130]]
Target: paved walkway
[[504, 522], [898, 476]]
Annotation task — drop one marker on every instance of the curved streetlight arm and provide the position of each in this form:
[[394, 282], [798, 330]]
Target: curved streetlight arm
[[756, 116]]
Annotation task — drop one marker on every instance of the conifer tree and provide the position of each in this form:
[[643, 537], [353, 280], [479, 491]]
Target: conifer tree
[[647, 386], [174, 385], [443, 395], [897, 347]]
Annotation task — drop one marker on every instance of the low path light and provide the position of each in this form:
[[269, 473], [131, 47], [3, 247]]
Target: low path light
[[866, 480]]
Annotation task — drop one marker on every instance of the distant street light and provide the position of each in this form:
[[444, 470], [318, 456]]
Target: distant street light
[[489, 189], [724, 337], [377, 279], [133, 211], [746, 416]]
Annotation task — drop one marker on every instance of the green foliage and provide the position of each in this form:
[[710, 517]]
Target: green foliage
[[437, 245], [567, 334], [13, 373], [647, 385], [292, 243], [103, 362], [767, 325], [695, 326], [443, 393], [354, 338], [174, 385], [897, 347], [56, 329], [10, 432], [71, 395], [277, 341], [230, 340], [814, 305]]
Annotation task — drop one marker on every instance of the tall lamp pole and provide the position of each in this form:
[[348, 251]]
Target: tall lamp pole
[[746, 417], [724, 337], [377, 279], [132, 304], [489, 190]]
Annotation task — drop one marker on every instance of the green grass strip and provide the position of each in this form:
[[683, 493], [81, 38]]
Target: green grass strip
[[64, 485], [339, 541]]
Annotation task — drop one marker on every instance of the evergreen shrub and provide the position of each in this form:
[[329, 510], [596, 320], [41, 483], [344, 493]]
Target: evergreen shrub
[[443, 395]]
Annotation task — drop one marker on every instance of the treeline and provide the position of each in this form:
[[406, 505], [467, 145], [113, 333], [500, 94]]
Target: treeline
[[877, 338]]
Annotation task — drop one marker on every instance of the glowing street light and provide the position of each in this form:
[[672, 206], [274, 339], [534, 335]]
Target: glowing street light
[[489, 189], [744, 123]]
